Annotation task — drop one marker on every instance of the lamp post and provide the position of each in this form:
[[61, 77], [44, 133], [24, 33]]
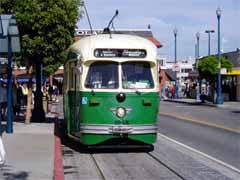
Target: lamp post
[[197, 59], [219, 99], [209, 32], [198, 37], [175, 31]]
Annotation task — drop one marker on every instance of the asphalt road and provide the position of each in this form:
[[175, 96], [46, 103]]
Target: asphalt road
[[213, 131]]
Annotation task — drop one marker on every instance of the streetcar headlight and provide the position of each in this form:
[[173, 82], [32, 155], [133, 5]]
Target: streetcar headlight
[[121, 112]]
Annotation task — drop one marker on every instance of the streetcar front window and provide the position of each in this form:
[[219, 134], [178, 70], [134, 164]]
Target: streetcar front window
[[102, 75], [137, 75]]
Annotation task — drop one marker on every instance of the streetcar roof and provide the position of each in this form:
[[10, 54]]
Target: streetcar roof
[[85, 47]]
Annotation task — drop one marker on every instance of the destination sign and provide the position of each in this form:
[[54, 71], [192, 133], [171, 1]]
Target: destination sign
[[120, 53]]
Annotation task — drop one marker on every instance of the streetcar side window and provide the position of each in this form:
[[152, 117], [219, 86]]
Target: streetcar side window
[[102, 75], [137, 75]]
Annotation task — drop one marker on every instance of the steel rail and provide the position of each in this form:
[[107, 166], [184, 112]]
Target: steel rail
[[98, 167], [166, 166]]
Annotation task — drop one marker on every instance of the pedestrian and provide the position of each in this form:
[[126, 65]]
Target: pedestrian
[[2, 152], [19, 94], [50, 92], [3, 101], [172, 90], [25, 94], [3, 105], [14, 99], [56, 93], [187, 90], [17, 97]]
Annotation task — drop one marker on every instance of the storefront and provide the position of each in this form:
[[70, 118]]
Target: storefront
[[234, 84]]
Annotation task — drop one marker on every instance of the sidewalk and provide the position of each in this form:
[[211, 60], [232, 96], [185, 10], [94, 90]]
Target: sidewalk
[[227, 104], [30, 150]]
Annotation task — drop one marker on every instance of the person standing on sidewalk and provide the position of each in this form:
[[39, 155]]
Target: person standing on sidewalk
[[2, 151], [3, 101], [172, 90], [25, 94]]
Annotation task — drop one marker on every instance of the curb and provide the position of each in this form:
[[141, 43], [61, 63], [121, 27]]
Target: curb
[[58, 163], [191, 103], [58, 166]]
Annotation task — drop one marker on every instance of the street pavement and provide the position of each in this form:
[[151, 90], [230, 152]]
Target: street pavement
[[214, 130], [225, 116], [29, 151], [225, 105], [218, 143]]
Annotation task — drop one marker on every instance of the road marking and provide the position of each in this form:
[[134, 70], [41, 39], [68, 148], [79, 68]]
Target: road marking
[[201, 153], [201, 122]]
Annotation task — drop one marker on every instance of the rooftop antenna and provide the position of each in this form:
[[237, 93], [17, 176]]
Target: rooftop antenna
[[107, 29], [85, 8]]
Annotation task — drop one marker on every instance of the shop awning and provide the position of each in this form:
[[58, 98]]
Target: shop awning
[[234, 72]]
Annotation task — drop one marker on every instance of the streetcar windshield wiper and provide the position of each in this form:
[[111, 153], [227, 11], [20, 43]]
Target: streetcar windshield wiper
[[93, 92], [137, 91]]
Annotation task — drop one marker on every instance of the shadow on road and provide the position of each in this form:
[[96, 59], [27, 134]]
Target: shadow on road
[[7, 174]]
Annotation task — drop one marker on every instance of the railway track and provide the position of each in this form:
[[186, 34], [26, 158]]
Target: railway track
[[167, 166], [119, 166], [102, 177], [167, 161]]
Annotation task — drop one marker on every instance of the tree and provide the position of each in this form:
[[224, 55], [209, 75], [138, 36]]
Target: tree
[[208, 66], [46, 29], [208, 69], [6, 6]]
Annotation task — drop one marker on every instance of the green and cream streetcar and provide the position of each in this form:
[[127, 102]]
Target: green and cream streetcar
[[111, 89]]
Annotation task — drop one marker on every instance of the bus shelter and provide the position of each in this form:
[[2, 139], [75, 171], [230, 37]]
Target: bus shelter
[[9, 43]]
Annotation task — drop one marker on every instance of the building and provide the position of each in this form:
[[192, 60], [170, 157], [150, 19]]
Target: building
[[232, 87], [231, 84], [182, 68]]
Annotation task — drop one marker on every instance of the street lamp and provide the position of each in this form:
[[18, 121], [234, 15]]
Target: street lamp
[[219, 99], [175, 31], [198, 37], [209, 32], [197, 59]]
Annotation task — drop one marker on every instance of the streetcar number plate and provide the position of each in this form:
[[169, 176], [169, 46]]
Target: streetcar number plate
[[121, 130]]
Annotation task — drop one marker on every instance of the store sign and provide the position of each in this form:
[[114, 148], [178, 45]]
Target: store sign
[[223, 71], [87, 32], [121, 53]]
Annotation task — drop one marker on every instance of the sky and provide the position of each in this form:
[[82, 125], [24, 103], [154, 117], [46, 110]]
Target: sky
[[188, 16]]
